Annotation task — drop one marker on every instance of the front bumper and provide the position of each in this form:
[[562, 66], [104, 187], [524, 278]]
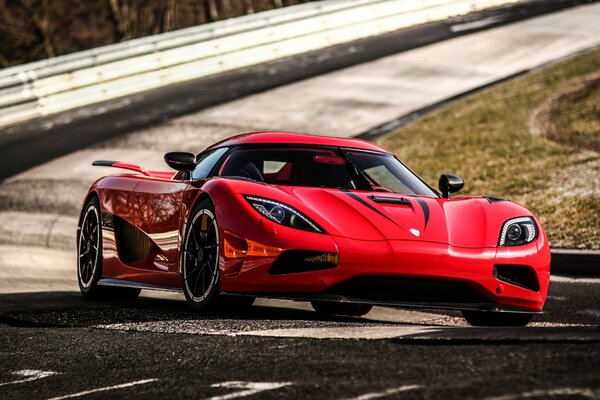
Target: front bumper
[[421, 262]]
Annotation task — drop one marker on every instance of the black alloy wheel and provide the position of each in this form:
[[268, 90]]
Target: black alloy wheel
[[89, 258], [200, 258], [200, 265]]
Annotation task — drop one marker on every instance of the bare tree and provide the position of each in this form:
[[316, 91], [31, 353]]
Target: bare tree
[[248, 7], [225, 7], [169, 21], [40, 19], [120, 14], [210, 10], [35, 29]]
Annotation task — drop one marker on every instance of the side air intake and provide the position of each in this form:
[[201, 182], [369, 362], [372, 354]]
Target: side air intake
[[518, 275], [132, 244], [294, 261]]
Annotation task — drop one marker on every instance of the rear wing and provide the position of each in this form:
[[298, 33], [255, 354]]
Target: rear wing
[[133, 167]]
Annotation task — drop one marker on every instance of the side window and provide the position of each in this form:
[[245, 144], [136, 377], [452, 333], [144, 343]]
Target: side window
[[207, 163]]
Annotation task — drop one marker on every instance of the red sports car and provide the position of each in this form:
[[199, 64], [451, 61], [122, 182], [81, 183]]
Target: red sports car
[[341, 223]]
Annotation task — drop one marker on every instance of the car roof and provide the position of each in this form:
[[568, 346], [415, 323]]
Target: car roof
[[295, 139]]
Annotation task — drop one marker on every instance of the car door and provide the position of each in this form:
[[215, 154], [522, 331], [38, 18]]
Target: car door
[[157, 206]]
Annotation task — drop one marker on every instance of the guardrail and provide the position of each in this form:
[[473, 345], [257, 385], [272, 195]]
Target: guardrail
[[58, 84]]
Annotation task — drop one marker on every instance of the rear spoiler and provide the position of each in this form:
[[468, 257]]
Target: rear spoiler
[[133, 167]]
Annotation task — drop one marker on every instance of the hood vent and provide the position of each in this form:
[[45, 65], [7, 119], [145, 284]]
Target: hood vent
[[390, 200]]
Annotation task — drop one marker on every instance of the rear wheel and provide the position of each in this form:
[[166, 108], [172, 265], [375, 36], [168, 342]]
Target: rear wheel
[[346, 309], [491, 318], [89, 259]]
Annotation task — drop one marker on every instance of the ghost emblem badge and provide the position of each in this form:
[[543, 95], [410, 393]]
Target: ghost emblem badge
[[415, 232]]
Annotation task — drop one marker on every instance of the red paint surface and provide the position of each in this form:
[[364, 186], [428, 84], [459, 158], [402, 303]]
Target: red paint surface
[[458, 241]]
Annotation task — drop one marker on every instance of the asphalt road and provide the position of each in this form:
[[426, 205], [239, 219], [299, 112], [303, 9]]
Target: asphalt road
[[56, 344]]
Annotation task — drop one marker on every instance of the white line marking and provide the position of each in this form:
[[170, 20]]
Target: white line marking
[[104, 389], [349, 332], [564, 279], [346, 332], [30, 375], [389, 392], [250, 388], [584, 392]]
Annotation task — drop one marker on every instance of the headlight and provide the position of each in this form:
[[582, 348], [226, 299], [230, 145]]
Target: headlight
[[283, 214], [518, 231]]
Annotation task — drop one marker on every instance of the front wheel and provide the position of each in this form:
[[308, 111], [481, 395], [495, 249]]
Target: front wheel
[[200, 258], [200, 265], [335, 308], [491, 318]]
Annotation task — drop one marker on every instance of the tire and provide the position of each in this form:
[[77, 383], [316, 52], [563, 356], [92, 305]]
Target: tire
[[200, 259], [490, 318], [89, 259], [335, 308]]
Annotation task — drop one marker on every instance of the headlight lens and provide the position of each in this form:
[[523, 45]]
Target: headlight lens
[[518, 231], [283, 214]]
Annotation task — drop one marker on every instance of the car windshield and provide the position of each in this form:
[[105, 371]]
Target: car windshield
[[323, 167]]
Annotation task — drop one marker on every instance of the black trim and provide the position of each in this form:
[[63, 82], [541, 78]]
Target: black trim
[[408, 289], [133, 245], [495, 199], [104, 163], [136, 285], [294, 261], [391, 200], [486, 306], [364, 203], [522, 276], [425, 208]]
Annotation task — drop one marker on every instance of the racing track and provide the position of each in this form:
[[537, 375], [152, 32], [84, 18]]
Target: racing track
[[54, 344]]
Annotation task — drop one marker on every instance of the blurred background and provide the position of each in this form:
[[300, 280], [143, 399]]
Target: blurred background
[[32, 30]]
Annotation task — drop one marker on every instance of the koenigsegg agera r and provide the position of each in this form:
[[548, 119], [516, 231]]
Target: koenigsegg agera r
[[341, 223]]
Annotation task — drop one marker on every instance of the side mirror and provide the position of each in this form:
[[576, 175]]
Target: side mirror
[[181, 161], [450, 184]]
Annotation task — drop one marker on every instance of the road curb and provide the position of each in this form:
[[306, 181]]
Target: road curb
[[575, 262]]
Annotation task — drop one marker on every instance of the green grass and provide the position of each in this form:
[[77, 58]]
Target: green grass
[[486, 139]]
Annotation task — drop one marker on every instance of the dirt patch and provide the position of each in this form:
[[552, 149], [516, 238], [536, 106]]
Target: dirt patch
[[572, 115]]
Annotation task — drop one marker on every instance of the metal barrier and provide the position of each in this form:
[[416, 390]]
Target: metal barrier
[[58, 84]]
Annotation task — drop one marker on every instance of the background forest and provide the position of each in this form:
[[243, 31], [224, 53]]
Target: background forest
[[36, 29]]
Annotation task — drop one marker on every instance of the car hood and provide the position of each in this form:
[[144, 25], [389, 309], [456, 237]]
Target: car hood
[[465, 222]]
